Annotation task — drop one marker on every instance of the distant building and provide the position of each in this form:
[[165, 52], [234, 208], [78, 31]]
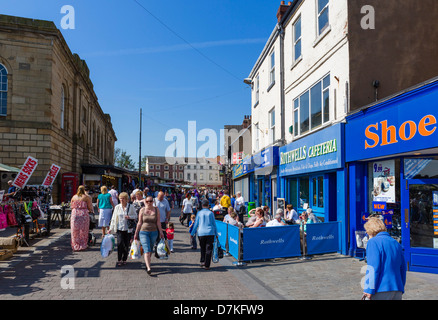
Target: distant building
[[159, 167], [48, 108]]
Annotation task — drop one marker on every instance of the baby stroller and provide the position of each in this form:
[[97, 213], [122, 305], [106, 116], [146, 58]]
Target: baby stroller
[[91, 236]]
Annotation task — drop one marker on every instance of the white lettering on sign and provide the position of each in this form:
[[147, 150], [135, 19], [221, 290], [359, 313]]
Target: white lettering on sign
[[51, 175], [26, 172]]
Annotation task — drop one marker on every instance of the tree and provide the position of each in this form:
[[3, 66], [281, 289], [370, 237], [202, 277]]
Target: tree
[[123, 160]]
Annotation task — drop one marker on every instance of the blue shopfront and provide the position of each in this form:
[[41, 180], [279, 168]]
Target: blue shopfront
[[312, 175], [256, 178], [392, 160]]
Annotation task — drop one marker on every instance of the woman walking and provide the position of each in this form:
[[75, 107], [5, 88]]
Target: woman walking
[[123, 212], [148, 230], [105, 205], [386, 272], [80, 221], [187, 209]]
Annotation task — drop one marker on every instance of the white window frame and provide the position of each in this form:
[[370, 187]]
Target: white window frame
[[320, 30], [296, 108], [257, 89], [271, 118], [297, 41], [272, 69]]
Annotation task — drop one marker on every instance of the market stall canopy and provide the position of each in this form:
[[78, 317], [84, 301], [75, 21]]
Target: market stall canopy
[[186, 186], [166, 185], [5, 168]]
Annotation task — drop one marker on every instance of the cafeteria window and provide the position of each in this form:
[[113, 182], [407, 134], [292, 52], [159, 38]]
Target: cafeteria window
[[307, 190]]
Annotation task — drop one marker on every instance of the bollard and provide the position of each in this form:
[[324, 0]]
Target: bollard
[[239, 261]]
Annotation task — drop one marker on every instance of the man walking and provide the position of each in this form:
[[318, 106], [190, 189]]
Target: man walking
[[205, 227], [163, 205]]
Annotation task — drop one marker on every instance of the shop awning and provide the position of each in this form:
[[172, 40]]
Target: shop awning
[[166, 185], [6, 168]]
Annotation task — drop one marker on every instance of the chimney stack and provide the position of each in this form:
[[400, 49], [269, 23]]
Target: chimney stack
[[246, 122], [282, 10]]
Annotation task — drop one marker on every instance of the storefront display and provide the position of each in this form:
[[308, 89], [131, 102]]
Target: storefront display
[[392, 156], [312, 175]]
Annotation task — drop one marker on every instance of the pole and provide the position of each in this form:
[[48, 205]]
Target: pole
[[139, 154]]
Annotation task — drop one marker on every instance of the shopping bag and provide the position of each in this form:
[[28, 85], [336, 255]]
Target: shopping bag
[[161, 249], [215, 256], [135, 250], [107, 246]]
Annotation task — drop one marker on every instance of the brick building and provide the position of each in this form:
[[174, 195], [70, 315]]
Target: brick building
[[48, 108], [159, 167]]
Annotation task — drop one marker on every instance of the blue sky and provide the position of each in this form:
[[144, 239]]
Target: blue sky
[[139, 57]]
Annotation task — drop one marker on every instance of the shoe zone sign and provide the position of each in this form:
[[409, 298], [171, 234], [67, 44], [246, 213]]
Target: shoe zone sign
[[406, 123], [322, 150]]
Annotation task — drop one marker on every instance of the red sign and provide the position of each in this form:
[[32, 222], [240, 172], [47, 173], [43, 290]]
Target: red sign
[[26, 172], [237, 156], [51, 175]]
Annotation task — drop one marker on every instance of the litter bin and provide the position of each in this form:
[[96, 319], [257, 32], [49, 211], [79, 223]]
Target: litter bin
[[251, 205]]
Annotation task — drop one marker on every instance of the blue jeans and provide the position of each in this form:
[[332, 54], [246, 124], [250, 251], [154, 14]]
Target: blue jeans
[[148, 239]]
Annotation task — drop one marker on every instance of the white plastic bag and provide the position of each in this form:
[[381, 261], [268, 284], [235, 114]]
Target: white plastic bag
[[135, 250], [107, 246], [161, 249]]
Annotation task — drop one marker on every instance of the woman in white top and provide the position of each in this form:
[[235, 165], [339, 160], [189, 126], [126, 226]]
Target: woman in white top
[[187, 209], [119, 224]]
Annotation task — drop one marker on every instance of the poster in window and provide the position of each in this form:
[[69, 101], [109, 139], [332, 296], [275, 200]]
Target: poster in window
[[384, 181]]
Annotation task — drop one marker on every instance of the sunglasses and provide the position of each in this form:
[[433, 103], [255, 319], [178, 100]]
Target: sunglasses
[[149, 201]]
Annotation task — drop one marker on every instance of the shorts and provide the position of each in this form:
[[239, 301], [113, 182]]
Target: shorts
[[148, 239], [105, 217]]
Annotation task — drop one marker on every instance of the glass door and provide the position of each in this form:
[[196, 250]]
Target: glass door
[[423, 214]]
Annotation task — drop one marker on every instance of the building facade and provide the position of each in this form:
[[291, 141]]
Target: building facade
[[203, 172], [321, 63], [159, 167], [48, 108], [392, 156]]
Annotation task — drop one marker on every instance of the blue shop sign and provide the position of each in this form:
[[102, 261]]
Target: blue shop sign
[[319, 151], [267, 158], [403, 124]]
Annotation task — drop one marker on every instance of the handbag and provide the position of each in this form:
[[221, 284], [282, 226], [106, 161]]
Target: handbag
[[131, 222]]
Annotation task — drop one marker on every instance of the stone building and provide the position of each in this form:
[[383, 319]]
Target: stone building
[[48, 108]]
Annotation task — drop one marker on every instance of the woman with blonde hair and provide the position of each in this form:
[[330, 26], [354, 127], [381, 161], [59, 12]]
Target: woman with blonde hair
[[386, 272], [80, 220], [105, 205], [123, 213]]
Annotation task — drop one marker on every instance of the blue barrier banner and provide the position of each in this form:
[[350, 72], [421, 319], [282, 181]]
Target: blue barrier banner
[[233, 241], [271, 242], [222, 233], [322, 237]]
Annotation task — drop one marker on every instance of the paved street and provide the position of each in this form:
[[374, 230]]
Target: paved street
[[35, 273]]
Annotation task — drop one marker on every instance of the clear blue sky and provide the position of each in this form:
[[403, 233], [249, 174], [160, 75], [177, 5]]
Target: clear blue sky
[[138, 62]]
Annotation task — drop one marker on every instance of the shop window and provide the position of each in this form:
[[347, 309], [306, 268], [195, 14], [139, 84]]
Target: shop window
[[304, 191], [318, 192], [384, 186], [421, 168]]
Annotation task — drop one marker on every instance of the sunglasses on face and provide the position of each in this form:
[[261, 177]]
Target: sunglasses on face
[[149, 201]]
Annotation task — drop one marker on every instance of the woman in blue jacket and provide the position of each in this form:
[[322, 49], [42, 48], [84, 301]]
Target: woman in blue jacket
[[386, 272], [205, 227]]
